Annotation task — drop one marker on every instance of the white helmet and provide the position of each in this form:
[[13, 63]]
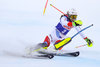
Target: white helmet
[[72, 12]]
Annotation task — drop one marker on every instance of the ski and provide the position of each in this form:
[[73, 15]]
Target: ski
[[50, 56], [32, 52], [42, 56], [71, 54]]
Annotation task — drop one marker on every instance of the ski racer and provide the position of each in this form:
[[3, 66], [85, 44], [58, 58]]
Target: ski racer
[[63, 28]]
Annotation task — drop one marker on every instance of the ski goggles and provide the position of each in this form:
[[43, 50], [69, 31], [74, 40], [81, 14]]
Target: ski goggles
[[73, 16]]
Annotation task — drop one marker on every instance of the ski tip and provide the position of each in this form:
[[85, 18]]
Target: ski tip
[[50, 56]]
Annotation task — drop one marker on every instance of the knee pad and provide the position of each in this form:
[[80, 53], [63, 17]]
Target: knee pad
[[47, 40]]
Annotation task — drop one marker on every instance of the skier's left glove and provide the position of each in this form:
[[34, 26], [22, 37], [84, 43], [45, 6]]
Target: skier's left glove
[[89, 42], [77, 23]]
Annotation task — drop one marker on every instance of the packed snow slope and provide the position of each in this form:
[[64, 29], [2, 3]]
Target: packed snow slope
[[23, 24]]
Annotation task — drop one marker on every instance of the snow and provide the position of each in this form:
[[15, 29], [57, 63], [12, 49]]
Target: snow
[[22, 24]]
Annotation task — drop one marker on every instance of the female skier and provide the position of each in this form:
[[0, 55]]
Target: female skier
[[63, 28]]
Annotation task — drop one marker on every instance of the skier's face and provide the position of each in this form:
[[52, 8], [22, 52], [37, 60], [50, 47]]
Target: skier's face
[[73, 17]]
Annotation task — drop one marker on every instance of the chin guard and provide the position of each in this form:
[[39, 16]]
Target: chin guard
[[77, 23]]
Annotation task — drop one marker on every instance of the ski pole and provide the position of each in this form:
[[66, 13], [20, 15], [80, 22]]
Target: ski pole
[[58, 10], [80, 46], [82, 30]]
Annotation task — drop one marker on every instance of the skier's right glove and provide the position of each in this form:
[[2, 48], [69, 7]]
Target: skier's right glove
[[89, 42], [77, 23]]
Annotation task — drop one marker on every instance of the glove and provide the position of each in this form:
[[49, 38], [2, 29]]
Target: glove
[[77, 23], [89, 42]]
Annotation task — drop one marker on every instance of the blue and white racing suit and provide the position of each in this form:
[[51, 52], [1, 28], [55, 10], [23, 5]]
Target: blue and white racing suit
[[61, 30]]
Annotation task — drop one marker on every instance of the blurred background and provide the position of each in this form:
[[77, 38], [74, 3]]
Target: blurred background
[[22, 23]]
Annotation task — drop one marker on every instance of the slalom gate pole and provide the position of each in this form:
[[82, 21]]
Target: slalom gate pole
[[58, 10], [45, 7]]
